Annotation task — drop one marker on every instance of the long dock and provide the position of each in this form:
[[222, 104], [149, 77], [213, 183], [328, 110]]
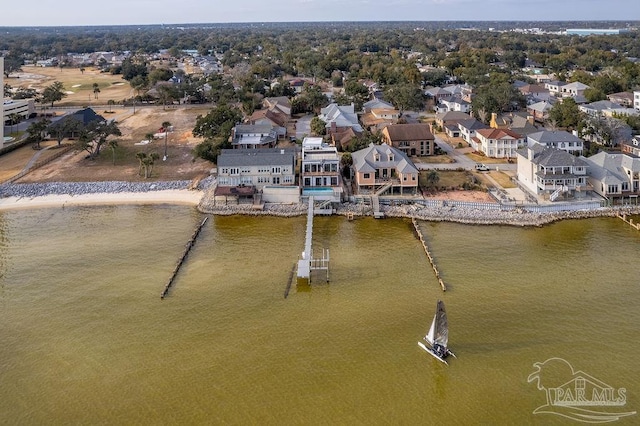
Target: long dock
[[629, 221], [186, 251], [428, 253]]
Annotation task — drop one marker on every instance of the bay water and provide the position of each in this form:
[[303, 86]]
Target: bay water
[[86, 339]]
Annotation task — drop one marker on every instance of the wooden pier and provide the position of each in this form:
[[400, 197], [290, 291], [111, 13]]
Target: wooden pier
[[428, 253], [186, 251], [629, 221]]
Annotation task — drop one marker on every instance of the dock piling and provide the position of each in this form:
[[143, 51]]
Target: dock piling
[[187, 248], [428, 253]]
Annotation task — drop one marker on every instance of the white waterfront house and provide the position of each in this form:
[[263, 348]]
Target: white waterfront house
[[320, 170], [558, 139]]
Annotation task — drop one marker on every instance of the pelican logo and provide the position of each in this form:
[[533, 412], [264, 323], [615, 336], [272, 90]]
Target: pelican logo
[[576, 394]]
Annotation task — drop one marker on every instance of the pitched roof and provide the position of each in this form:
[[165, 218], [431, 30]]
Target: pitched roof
[[86, 116], [471, 124], [364, 159], [409, 132], [609, 167], [452, 115], [256, 157], [548, 136], [551, 157], [498, 133]]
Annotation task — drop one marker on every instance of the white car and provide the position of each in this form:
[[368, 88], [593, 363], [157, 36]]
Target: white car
[[482, 168]]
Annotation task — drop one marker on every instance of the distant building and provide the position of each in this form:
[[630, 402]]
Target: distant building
[[595, 31], [250, 136]]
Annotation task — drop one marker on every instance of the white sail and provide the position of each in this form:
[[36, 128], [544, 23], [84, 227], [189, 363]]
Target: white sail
[[441, 328], [431, 333]]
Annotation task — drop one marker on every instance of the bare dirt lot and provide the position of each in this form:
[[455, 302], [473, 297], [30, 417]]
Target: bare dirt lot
[[180, 165]]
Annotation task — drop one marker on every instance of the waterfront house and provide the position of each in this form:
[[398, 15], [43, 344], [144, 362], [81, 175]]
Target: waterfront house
[[412, 139], [242, 173], [615, 176], [253, 136], [320, 170], [558, 139], [551, 172], [498, 143], [383, 169]]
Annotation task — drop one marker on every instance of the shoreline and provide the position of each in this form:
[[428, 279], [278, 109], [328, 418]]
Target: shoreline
[[168, 196], [60, 195]]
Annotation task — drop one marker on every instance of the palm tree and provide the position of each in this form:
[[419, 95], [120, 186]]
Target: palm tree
[[149, 137], [165, 127], [432, 178], [111, 103], [141, 156], [113, 144], [96, 90]]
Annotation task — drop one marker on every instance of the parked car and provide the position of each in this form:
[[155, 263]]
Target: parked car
[[482, 168]]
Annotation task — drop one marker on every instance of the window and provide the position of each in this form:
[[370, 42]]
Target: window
[[276, 170], [288, 179], [612, 189], [366, 176]]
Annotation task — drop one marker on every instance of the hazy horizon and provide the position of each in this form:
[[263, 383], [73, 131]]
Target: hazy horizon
[[39, 13]]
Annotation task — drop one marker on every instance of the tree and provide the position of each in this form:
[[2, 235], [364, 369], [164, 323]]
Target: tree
[[217, 123], [146, 163], [96, 90], [7, 90], [38, 131], [566, 113], [149, 137], [404, 96], [318, 127], [165, 127], [63, 127], [111, 103], [12, 63], [53, 93], [113, 144], [433, 178], [81, 70], [95, 135]]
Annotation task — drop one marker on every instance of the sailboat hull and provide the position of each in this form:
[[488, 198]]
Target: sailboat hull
[[423, 346]]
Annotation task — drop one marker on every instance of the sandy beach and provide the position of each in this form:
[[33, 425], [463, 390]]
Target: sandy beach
[[171, 196]]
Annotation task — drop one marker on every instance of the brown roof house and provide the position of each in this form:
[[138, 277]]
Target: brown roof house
[[412, 139], [384, 170]]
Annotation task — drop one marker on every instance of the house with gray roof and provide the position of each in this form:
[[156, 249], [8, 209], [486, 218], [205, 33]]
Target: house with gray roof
[[383, 169], [454, 103], [540, 110], [558, 139], [339, 117], [551, 173], [606, 108], [320, 170], [252, 169], [615, 176], [468, 129], [253, 136]]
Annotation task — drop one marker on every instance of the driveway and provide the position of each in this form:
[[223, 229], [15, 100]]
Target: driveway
[[303, 127]]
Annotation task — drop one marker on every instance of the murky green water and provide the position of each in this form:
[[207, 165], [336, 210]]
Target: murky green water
[[85, 338]]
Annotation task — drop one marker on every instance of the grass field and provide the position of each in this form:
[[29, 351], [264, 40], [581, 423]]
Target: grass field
[[77, 85]]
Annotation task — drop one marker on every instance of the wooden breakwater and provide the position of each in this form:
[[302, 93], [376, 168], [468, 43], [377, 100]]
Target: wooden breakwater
[[428, 253], [186, 251], [629, 221]]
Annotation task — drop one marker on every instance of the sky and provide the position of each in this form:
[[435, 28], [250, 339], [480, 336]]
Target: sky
[[132, 12]]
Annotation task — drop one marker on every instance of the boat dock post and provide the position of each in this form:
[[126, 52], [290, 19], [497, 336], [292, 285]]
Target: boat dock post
[[428, 253], [629, 221], [186, 251]]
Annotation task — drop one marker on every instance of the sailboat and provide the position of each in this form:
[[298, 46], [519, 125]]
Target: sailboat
[[438, 335]]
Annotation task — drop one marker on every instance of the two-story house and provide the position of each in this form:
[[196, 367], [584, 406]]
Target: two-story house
[[468, 129], [320, 170], [558, 139], [497, 143], [253, 136], [257, 168], [383, 169], [551, 172], [615, 176], [413, 139]]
